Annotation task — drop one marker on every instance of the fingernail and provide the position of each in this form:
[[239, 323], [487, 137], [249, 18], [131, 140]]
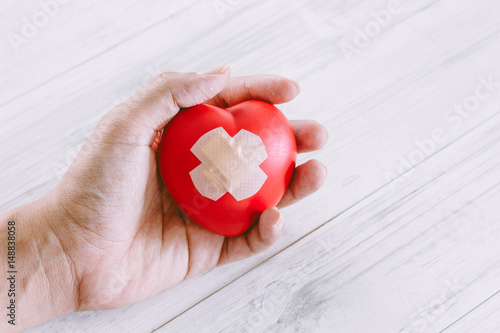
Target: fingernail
[[326, 170], [215, 70], [278, 223], [296, 86]]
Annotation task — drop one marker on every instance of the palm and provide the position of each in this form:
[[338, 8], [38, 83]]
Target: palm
[[133, 234], [134, 240]]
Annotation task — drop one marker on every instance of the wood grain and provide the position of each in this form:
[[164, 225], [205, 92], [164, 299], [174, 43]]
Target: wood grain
[[398, 243], [411, 263]]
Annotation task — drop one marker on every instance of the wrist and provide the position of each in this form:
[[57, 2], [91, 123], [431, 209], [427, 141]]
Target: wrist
[[45, 283]]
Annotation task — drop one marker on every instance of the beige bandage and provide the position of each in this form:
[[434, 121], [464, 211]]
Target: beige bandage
[[229, 164]]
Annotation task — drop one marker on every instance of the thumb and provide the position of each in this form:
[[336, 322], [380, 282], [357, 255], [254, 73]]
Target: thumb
[[150, 109]]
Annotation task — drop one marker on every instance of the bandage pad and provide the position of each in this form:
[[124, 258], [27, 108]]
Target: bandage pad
[[229, 164]]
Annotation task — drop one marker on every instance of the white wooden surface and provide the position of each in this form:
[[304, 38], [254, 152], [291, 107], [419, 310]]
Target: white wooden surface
[[380, 248]]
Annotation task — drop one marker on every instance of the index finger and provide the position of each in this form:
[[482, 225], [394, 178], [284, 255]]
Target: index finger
[[270, 88]]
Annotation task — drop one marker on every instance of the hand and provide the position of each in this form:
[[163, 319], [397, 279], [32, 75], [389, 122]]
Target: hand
[[123, 237]]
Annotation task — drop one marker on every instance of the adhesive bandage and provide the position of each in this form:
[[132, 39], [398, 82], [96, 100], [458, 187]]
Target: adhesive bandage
[[229, 164]]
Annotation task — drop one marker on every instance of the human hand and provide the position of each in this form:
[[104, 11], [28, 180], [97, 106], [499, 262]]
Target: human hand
[[123, 237]]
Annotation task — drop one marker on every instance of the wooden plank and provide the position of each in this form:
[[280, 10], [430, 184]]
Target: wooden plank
[[54, 39], [87, 101], [420, 66], [483, 318], [412, 259]]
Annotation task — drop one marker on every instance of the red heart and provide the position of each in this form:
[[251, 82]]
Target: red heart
[[227, 216]]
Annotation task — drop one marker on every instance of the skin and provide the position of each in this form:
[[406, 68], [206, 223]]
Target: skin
[[109, 234]]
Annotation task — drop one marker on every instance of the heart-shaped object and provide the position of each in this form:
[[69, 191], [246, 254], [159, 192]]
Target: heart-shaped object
[[224, 167]]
